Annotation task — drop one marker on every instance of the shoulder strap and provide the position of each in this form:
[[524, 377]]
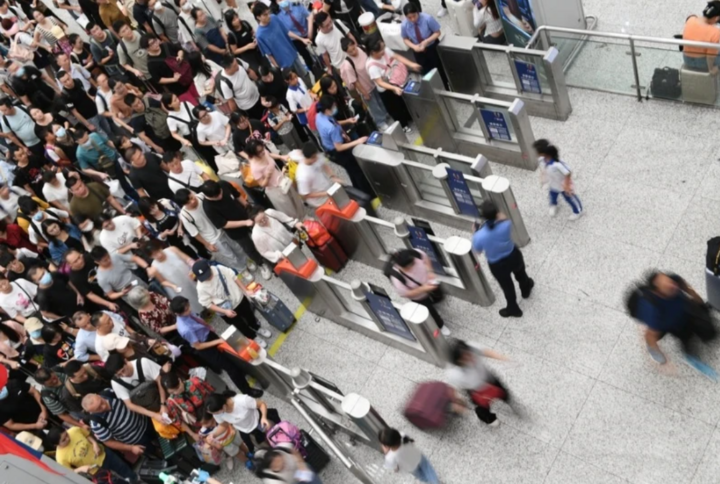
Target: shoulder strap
[[224, 284], [192, 219], [104, 102], [340, 26], [127, 54], [186, 185], [123, 383], [26, 293], [155, 18], [352, 64], [70, 388], [229, 83], [140, 372]]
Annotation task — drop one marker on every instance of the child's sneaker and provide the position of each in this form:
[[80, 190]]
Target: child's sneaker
[[553, 210], [575, 216]]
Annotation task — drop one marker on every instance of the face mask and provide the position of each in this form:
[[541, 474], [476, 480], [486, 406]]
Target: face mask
[[60, 133], [186, 7], [20, 72], [284, 5], [335, 111], [46, 279], [3, 393], [36, 334], [38, 217], [89, 227], [158, 6]]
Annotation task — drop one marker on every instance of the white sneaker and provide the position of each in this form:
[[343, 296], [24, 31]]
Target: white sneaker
[[442, 12], [575, 216], [553, 210], [264, 333], [407, 129], [265, 272], [229, 463], [495, 423], [261, 342], [445, 331], [251, 266]]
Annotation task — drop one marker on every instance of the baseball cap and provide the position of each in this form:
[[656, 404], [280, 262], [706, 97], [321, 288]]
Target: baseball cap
[[33, 324], [201, 269], [712, 9], [113, 342]]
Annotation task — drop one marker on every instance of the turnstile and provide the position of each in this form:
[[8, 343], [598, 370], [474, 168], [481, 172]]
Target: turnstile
[[470, 124]]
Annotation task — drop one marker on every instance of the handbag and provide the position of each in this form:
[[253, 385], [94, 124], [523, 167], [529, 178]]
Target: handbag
[[484, 396], [285, 184], [19, 52]]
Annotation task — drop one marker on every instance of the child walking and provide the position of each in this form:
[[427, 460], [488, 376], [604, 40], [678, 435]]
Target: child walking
[[558, 177], [402, 456]]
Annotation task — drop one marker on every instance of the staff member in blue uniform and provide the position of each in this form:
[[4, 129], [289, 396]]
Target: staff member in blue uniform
[[301, 22], [420, 32], [337, 144], [503, 256]]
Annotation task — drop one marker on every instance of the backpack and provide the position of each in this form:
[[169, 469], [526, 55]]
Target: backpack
[[395, 72], [183, 68], [125, 50], [666, 83], [286, 433], [156, 118], [712, 258], [146, 393]]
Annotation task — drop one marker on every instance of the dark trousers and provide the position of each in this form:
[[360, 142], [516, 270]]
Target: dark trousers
[[38, 150], [115, 464], [429, 60], [245, 320], [347, 160], [248, 247], [259, 435], [305, 54], [218, 361], [484, 413], [257, 111], [502, 271], [433, 312], [395, 106], [149, 440]]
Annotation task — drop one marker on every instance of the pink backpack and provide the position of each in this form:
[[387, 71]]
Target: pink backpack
[[396, 72], [285, 432]]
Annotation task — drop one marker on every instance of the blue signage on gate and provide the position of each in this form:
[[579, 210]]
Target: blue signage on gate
[[389, 317], [461, 193], [529, 80], [496, 124], [420, 241]]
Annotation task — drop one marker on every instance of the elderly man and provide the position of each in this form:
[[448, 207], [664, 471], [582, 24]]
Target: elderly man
[[82, 276], [116, 426], [271, 232], [87, 334]]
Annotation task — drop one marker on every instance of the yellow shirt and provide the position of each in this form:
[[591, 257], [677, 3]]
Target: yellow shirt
[[23, 222], [79, 452]]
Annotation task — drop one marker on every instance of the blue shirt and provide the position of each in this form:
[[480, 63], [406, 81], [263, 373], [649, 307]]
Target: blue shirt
[[329, 130], [661, 314], [300, 14], [89, 156], [273, 39], [192, 329], [427, 24], [496, 243]]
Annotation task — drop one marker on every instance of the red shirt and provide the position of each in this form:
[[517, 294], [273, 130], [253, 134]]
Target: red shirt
[[16, 238]]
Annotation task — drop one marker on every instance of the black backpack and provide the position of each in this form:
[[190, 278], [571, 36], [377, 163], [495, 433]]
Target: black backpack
[[632, 300], [666, 83]]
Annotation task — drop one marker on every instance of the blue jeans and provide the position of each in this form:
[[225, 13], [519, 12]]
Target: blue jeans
[[377, 108], [115, 464], [572, 200], [698, 63], [425, 472]]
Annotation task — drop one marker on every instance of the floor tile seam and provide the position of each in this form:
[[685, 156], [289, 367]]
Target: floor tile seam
[[682, 218], [577, 416], [585, 461], [595, 234], [702, 455], [319, 336]]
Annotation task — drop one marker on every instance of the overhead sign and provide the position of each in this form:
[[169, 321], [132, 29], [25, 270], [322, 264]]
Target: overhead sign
[[420, 241], [496, 124], [461, 193], [529, 80], [389, 317]]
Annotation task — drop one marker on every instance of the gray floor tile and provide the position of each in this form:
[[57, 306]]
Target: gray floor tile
[[569, 470], [595, 267], [694, 229], [709, 468], [640, 441], [568, 330]]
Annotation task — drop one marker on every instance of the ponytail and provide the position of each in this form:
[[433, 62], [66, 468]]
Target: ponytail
[[216, 401], [390, 437]]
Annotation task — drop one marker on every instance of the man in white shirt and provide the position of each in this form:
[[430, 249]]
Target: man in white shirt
[[213, 129], [183, 173], [314, 176], [55, 191], [9, 199], [330, 33], [77, 72], [197, 224], [86, 337], [271, 233], [236, 85], [127, 375], [118, 233]]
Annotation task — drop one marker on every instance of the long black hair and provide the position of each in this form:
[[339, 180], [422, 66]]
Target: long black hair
[[9, 332], [546, 148], [216, 401], [197, 64], [399, 258]]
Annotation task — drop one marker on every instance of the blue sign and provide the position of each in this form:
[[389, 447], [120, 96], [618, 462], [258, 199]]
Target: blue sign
[[529, 80], [375, 138], [461, 193], [412, 87], [496, 124], [420, 241], [388, 316]]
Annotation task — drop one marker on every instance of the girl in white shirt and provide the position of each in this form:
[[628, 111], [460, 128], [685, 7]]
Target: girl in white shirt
[[487, 21], [248, 415], [402, 456]]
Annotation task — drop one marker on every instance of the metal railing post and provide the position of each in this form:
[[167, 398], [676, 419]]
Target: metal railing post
[[358, 294], [500, 192], [636, 72], [402, 231], [468, 269], [440, 172], [426, 331], [363, 414], [302, 381]]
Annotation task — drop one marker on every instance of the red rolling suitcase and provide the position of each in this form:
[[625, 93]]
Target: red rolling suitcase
[[325, 247], [429, 405]]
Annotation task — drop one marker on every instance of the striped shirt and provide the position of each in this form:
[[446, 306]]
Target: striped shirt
[[123, 425], [51, 397]]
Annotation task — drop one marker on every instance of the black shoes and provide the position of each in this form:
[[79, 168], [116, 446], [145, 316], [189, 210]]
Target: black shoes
[[511, 313], [525, 293]]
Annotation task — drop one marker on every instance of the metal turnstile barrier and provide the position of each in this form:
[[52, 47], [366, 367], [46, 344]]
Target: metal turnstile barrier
[[507, 73], [422, 190], [471, 124]]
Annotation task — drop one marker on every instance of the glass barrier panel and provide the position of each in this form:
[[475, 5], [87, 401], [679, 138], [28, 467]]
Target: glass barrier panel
[[499, 69], [423, 158], [537, 62], [392, 241], [463, 115], [350, 304], [430, 188]]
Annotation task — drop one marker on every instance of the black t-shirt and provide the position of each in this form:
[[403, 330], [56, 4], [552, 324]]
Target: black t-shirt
[[256, 130], [56, 354], [84, 279], [227, 209], [159, 69], [277, 88], [151, 178], [19, 406], [91, 385], [78, 98], [142, 14], [29, 263], [30, 82], [243, 37], [58, 298], [138, 122], [31, 174]]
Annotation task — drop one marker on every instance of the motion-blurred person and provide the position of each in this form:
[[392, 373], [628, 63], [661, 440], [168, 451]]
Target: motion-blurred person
[[557, 176], [401, 455], [314, 176], [504, 258]]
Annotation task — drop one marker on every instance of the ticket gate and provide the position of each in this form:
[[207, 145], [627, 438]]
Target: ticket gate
[[364, 239], [507, 73], [363, 308], [424, 189], [470, 124]]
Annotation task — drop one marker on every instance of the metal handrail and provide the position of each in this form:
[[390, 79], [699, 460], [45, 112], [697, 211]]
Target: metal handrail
[[436, 152]]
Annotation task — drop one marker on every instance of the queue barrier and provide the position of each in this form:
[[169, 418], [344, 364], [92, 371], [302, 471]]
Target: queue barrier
[[469, 124]]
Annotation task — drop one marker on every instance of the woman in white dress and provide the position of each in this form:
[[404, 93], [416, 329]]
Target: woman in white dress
[[175, 267]]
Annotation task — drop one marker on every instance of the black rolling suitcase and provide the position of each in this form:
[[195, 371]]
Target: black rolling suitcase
[[275, 312], [317, 458]]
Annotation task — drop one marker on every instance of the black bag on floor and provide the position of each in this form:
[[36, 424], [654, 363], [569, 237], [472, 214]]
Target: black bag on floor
[[317, 458], [712, 257], [362, 199], [666, 83]]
